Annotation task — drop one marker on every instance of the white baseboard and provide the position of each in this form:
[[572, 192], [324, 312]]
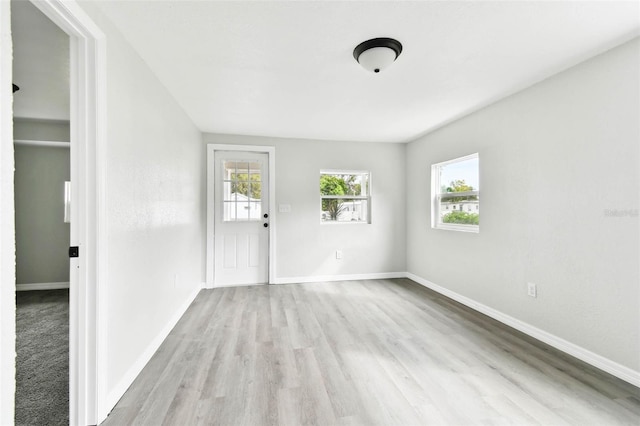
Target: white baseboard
[[116, 393], [232, 285], [42, 286], [598, 361], [348, 277]]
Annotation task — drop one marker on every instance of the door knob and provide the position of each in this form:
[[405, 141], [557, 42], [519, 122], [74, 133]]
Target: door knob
[[266, 225], [265, 215]]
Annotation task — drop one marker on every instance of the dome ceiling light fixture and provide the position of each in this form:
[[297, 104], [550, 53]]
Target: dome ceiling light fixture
[[376, 54]]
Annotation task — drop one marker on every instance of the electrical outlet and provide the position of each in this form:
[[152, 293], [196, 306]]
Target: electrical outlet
[[532, 290], [338, 254]]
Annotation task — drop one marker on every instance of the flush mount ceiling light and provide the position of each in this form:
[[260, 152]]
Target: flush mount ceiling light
[[378, 53]]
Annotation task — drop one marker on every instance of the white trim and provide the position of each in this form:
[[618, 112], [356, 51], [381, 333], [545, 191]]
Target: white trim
[[474, 229], [136, 368], [88, 273], [344, 172], [445, 195], [48, 144], [598, 361], [344, 197], [42, 286], [7, 226], [343, 222], [210, 249], [210, 252], [346, 277], [236, 285], [272, 213]]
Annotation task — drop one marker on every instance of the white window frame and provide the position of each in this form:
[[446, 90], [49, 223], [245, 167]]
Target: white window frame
[[347, 197], [437, 196]]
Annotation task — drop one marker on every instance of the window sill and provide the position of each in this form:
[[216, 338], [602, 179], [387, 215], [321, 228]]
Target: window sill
[[474, 229], [345, 223]]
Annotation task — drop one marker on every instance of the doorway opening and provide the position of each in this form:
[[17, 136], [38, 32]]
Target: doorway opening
[[41, 133]]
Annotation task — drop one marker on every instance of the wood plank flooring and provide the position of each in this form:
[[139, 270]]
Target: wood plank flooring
[[378, 352]]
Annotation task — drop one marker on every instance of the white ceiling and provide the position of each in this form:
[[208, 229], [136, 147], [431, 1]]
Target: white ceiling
[[40, 64], [286, 68]]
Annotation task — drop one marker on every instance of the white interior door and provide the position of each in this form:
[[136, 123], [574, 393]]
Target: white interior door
[[241, 203]]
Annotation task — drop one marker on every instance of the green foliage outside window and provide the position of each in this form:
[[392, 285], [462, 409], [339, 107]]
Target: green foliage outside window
[[248, 185], [332, 185], [462, 217], [338, 185], [459, 186]]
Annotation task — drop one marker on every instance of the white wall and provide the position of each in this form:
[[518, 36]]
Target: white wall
[[305, 247], [7, 230], [154, 206], [553, 159]]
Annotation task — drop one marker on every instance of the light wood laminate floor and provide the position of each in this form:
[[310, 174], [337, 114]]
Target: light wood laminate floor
[[361, 353]]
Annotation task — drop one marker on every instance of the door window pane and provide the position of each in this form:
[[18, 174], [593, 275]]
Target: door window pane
[[242, 189]]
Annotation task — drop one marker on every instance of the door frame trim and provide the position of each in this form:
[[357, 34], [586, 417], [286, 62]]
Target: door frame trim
[[7, 226], [87, 333], [210, 250]]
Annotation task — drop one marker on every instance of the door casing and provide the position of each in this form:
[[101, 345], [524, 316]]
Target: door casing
[[210, 251], [87, 325]]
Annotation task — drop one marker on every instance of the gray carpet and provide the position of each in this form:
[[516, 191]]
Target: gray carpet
[[42, 365]]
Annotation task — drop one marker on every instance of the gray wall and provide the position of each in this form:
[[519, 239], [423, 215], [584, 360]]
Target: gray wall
[[41, 130], [42, 237], [555, 161], [41, 65], [305, 247]]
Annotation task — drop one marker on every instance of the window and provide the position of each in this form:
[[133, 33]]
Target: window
[[344, 196], [456, 184], [242, 191]]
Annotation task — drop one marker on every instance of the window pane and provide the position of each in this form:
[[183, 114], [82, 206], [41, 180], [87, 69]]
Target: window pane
[[344, 210], [457, 188], [255, 190], [242, 191], [229, 194], [243, 211], [460, 210], [460, 176], [229, 169], [255, 172], [229, 213], [338, 187], [344, 184], [241, 172]]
